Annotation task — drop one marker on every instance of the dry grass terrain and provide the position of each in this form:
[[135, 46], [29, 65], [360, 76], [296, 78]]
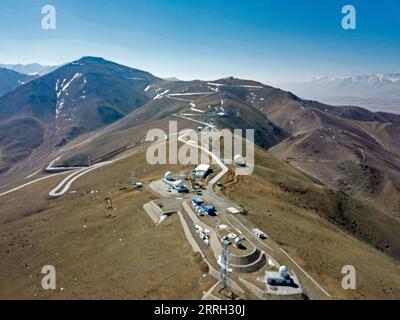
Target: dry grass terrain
[[95, 257], [292, 210]]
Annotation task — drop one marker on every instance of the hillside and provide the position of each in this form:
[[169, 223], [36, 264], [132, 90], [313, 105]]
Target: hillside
[[9, 80], [128, 257], [75, 99], [96, 257], [92, 107], [308, 221], [325, 186]]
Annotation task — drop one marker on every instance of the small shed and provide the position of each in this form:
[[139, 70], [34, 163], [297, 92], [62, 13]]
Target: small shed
[[202, 171], [198, 201], [259, 234], [210, 210], [233, 210]]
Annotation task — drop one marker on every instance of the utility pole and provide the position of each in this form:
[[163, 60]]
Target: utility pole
[[225, 269], [193, 179]]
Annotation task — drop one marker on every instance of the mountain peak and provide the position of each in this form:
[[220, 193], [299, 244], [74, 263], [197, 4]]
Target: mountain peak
[[91, 59]]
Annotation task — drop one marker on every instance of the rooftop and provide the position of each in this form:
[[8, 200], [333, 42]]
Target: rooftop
[[202, 167]]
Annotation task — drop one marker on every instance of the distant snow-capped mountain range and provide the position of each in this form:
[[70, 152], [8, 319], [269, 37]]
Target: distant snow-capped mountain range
[[378, 85], [30, 69], [377, 92]]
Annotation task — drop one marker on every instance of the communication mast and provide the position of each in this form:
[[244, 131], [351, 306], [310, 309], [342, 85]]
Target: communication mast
[[193, 179], [225, 269]]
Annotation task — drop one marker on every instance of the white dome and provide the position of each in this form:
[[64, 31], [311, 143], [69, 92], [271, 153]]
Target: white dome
[[169, 175], [284, 271], [238, 159]]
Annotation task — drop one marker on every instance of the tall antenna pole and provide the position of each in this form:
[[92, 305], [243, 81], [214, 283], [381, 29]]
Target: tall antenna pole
[[193, 179], [225, 268]]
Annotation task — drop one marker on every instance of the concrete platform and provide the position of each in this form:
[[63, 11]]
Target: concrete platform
[[153, 210], [161, 188]]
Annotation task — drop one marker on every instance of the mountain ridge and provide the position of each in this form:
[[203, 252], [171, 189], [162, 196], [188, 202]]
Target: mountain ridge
[[9, 80], [110, 102]]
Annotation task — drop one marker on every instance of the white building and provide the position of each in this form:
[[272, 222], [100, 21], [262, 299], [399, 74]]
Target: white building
[[239, 160], [281, 278], [259, 234], [169, 176], [233, 210], [202, 171]]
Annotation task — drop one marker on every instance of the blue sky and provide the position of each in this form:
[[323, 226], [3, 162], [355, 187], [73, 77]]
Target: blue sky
[[267, 40]]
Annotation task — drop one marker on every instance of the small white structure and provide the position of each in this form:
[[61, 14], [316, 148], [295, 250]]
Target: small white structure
[[175, 184], [233, 210], [270, 262], [239, 160], [238, 241], [284, 271], [162, 218], [169, 176], [202, 171], [259, 234], [281, 278]]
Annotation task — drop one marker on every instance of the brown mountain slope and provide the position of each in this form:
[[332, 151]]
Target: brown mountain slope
[[73, 100], [349, 148], [306, 220]]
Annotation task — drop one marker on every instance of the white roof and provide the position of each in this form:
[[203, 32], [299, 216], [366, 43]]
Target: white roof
[[202, 167], [233, 210], [256, 230]]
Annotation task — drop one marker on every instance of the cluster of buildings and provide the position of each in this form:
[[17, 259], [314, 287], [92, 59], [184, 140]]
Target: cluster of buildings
[[203, 234], [200, 208], [175, 184], [233, 238]]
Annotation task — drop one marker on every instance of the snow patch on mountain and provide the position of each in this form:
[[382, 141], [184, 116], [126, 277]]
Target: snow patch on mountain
[[62, 93]]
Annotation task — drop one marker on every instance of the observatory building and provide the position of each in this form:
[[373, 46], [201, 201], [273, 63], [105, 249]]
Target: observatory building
[[169, 176], [202, 171], [281, 278], [175, 184], [239, 160]]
